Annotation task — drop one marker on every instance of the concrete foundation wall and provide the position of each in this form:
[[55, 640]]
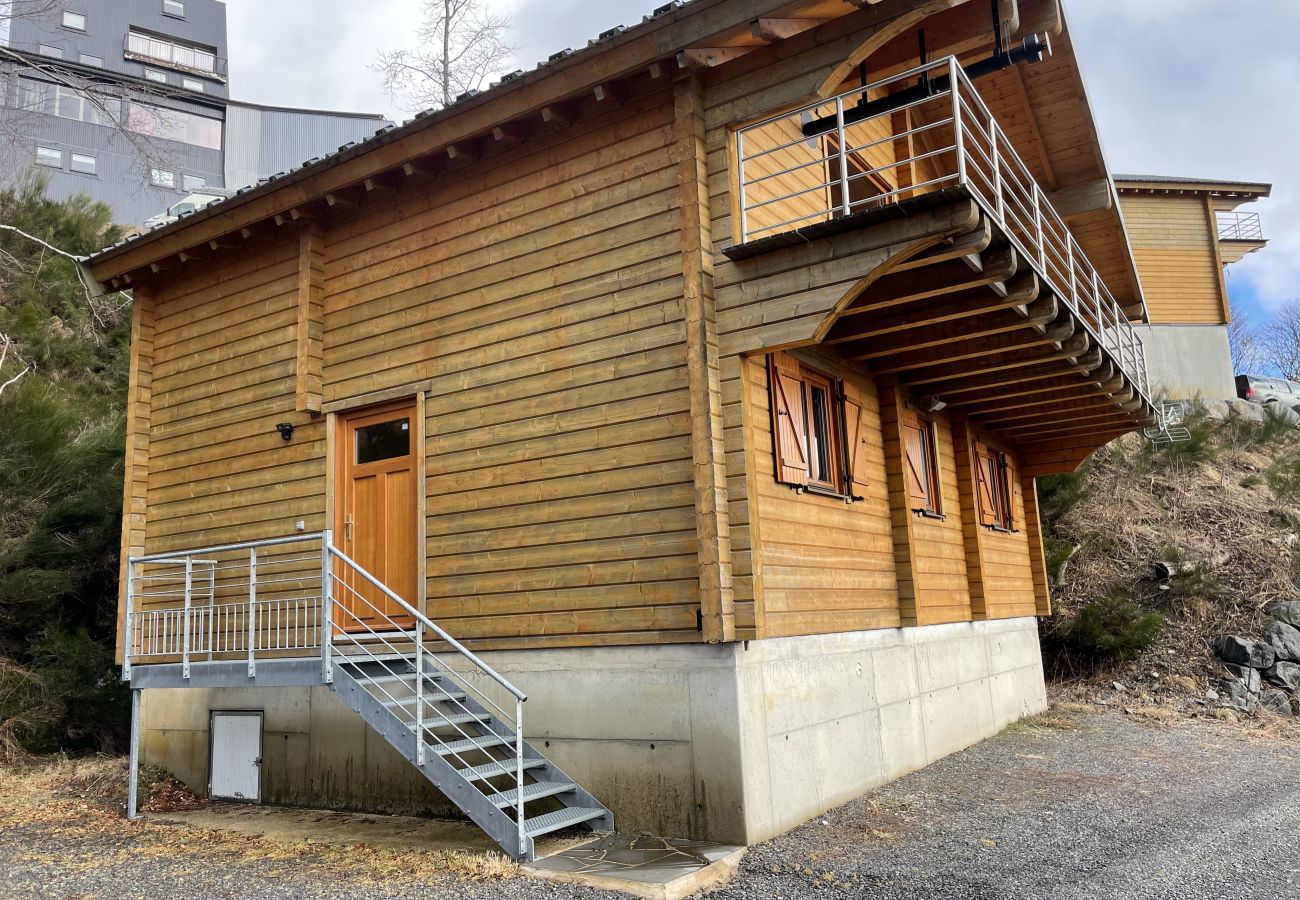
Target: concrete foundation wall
[[1189, 360], [728, 742]]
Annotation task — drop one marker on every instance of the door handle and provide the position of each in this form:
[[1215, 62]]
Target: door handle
[[347, 527]]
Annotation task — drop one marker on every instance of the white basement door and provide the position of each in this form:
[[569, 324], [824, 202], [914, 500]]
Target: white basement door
[[237, 756]]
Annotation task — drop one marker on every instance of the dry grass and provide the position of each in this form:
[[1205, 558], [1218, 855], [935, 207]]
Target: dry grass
[[76, 804], [1220, 517]]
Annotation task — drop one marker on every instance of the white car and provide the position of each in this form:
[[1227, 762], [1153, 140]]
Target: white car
[[190, 203]]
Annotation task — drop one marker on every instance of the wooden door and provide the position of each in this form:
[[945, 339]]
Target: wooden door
[[375, 514]]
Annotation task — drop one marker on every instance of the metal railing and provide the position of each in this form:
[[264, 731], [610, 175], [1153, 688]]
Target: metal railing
[[1239, 226], [301, 596], [161, 51], [915, 133]]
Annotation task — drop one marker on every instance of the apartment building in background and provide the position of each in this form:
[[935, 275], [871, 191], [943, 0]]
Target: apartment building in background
[[128, 101]]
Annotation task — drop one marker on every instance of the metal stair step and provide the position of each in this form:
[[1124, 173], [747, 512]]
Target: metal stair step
[[406, 679], [501, 767], [532, 792], [561, 818], [439, 721], [469, 745], [429, 697]]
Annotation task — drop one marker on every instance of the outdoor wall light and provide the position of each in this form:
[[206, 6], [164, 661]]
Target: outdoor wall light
[[932, 404], [286, 430]]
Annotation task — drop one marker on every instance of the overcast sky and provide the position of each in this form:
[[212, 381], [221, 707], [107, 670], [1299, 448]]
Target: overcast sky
[[1180, 87]]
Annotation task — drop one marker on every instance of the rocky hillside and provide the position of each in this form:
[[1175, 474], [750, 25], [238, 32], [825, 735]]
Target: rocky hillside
[[1159, 552]]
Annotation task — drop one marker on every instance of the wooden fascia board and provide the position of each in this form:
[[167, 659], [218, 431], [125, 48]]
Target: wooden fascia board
[[630, 53]]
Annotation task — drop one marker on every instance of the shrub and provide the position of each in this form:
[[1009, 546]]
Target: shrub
[[1200, 446], [1112, 629], [1283, 476]]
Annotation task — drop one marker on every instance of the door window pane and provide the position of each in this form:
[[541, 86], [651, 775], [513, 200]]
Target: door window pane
[[384, 440]]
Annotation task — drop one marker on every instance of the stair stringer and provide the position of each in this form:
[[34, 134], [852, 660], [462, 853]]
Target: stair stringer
[[496, 823]]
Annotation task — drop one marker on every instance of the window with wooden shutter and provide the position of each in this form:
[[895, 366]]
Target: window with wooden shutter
[[816, 447], [920, 462], [994, 488], [856, 457]]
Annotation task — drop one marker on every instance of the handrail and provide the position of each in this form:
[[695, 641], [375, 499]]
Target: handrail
[[428, 623], [178, 556], [956, 142], [1239, 226]]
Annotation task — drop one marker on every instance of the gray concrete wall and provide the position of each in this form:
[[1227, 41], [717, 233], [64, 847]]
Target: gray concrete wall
[[1185, 361], [728, 742]]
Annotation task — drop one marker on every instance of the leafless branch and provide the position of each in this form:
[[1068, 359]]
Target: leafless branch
[[462, 43], [6, 345]]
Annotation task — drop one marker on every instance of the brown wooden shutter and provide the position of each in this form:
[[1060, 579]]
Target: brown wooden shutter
[[855, 429], [985, 472], [788, 419], [1014, 517], [914, 472]]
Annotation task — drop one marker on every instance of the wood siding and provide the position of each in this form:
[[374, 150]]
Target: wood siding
[[1174, 242]]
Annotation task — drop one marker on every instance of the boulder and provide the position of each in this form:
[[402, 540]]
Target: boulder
[[1276, 701], [1288, 611], [1251, 412], [1245, 676], [1284, 675], [1285, 641], [1284, 412], [1216, 409], [1233, 693], [1244, 652]]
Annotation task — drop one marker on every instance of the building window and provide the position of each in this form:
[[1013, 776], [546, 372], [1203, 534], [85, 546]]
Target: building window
[[192, 183], [47, 50], [49, 156], [174, 125], [994, 486], [811, 421], [162, 178], [84, 163], [174, 8], [87, 60], [920, 462], [155, 75], [66, 103], [75, 21], [192, 84], [161, 49]]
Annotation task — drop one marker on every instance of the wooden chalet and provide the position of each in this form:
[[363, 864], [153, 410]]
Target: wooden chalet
[[1185, 232], [691, 386]]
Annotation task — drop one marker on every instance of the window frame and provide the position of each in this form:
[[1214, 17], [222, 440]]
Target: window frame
[[173, 14], [992, 466], [50, 51], [827, 459], [930, 479], [93, 171], [85, 60], [158, 182], [49, 165], [80, 29]]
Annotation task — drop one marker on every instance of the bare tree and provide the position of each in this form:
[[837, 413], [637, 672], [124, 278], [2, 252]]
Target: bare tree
[[1280, 340], [1244, 342], [461, 44]]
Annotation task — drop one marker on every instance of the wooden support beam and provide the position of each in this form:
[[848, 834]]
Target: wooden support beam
[[656, 70], [1074, 426], [999, 362], [708, 57], [421, 165], [956, 351], [1071, 409], [293, 215], [383, 181], [225, 242], [463, 152], [195, 253], [309, 382], [508, 131], [773, 30], [1041, 311], [610, 94], [1059, 373], [967, 246], [559, 114], [964, 305], [255, 229], [935, 281], [1084, 198], [1024, 401]]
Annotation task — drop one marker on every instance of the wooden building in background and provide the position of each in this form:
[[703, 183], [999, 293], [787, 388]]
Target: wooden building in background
[[1185, 232], [693, 384]]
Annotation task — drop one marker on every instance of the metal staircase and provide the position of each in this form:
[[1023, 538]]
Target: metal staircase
[[450, 714]]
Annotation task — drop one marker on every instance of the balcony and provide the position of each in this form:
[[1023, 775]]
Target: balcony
[[1239, 226], [917, 141], [159, 51]]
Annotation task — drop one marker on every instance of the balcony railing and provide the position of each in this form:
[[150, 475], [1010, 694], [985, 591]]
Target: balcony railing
[[160, 51], [919, 132], [1239, 226]]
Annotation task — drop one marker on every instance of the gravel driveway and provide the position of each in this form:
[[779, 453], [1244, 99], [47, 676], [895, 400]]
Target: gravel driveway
[[1100, 808]]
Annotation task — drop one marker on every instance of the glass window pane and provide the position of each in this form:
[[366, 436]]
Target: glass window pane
[[174, 7], [191, 84], [88, 60], [48, 156], [821, 434], [155, 75], [82, 163], [47, 50], [192, 182], [74, 20], [162, 178], [385, 440]]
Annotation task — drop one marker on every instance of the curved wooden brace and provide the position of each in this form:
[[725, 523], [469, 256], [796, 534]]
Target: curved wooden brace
[[888, 31], [909, 252]]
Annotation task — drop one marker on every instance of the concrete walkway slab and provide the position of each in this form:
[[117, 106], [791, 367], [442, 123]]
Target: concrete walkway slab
[[642, 865]]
